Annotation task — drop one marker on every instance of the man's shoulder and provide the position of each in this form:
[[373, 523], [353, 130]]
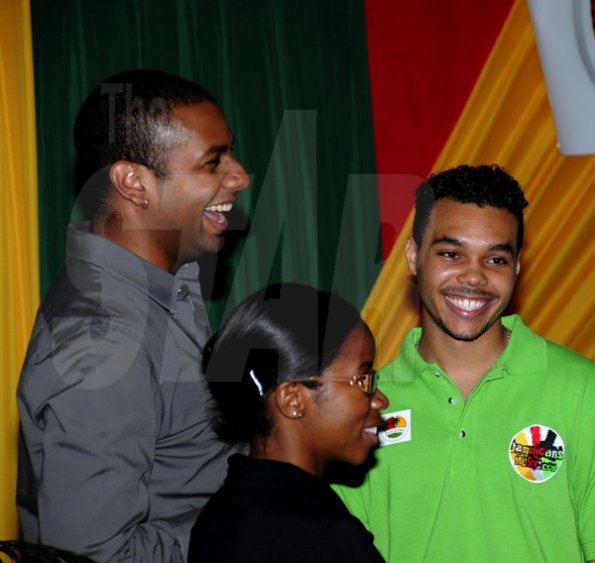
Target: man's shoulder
[[88, 333], [553, 354], [567, 361], [89, 316], [85, 296], [406, 357]]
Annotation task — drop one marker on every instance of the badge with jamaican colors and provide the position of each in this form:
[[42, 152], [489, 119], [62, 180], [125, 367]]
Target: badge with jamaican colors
[[537, 453], [396, 427]]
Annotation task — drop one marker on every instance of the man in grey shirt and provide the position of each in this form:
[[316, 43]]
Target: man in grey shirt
[[117, 454]]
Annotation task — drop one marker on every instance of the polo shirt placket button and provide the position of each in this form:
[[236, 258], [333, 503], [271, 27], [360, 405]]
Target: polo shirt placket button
[[462, 434]]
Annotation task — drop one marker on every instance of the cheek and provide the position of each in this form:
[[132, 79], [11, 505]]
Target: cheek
[[358, 408], [207, 186], [433, 276], [345, 410], [506, 281]]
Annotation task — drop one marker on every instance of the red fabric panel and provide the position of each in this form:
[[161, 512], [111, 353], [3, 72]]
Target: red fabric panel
[[424, 58]]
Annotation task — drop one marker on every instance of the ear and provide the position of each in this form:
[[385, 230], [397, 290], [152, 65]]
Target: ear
[[518, 263], [290, 399], [411, 255], [128, 178]]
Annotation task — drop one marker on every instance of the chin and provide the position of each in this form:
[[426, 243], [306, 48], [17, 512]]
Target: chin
[[211, 248], [218, 244], [466, 336], [465, 333], [361, 458]]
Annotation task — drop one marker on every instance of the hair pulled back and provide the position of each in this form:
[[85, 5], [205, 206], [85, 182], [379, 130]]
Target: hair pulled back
[[282, 332]]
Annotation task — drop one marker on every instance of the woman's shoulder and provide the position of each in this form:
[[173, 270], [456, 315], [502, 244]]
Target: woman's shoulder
[[264, 516]]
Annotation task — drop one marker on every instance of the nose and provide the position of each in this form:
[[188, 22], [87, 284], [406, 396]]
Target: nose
[[236, 178], [379, 400], [472, 274]]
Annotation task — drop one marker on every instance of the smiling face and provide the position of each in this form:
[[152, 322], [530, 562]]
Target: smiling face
[[344, 421], [466, 268], [200, 185]]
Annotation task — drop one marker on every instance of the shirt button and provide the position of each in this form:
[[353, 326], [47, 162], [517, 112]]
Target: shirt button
[[437, 373], [462, 433], [452, 400], [183, 292]]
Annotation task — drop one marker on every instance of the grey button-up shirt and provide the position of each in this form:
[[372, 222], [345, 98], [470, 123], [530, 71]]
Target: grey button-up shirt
[[117, 453]]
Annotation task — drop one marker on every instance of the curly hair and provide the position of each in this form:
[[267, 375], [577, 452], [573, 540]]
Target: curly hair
[[127, 117], [487, 185]]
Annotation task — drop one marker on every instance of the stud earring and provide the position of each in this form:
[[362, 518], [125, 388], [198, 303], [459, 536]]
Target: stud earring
[[145, 204], [296, 414]]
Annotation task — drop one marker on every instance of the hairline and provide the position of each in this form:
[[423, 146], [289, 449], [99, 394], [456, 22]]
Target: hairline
[[480, 205]]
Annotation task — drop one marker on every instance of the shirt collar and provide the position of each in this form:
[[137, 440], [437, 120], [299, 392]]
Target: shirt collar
[[103, 253], [525, 353]]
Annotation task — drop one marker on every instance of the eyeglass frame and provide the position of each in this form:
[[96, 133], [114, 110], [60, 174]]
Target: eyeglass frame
[[370, 381]]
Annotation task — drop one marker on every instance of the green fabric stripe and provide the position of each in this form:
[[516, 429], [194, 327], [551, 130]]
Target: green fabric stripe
[[292, 79]]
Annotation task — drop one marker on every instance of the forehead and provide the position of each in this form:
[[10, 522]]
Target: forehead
[[357, 349], [201, 125], [467, 221]]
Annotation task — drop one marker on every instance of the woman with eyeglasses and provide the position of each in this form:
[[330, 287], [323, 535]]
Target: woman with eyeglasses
[[291, 375]]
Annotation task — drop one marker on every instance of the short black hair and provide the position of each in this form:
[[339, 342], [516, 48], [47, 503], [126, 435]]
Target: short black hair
[[124, 118], [486, 185], [282, 332]]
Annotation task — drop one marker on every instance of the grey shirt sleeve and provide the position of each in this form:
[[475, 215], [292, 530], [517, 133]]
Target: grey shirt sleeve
[[110, 482]]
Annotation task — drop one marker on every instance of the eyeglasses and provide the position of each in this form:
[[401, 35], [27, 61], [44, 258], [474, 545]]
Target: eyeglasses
[[366, 382]]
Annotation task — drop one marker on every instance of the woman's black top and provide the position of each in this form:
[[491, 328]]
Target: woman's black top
[[272, 511]]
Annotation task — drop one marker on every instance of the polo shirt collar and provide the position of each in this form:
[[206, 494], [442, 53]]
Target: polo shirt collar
[[526, 352]]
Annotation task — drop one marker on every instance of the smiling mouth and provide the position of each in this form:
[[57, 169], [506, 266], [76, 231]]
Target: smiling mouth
[[371, 435], [467, 304], [216, 212]]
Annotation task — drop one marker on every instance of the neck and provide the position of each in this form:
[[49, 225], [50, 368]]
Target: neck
[[465, 362], [287, 449], [130, 234]]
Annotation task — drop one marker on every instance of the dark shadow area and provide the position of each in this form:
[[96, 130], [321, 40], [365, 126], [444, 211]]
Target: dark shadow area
[[217, 269], [412, 293], [25, 552], [349, 475], [87, 204], [513, 306]]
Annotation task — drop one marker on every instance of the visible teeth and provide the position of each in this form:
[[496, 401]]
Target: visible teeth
[[467, 304], [372, 430], [220, 208]]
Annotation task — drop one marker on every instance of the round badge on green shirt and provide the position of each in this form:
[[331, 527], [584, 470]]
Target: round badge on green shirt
[[536, 453]]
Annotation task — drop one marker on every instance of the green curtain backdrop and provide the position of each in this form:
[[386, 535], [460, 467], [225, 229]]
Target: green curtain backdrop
[[292, 78]]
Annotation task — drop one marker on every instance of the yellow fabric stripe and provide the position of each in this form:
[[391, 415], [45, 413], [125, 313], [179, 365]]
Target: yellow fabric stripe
[[19, 265], [508, 120]]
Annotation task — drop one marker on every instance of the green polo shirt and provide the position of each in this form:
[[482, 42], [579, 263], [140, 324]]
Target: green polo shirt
[[507, 475]]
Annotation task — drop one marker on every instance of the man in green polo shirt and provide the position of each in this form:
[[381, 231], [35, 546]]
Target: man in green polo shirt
[[488, 449]]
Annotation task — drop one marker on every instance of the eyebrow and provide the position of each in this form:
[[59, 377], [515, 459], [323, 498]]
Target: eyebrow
[[218, 149], [448, 240], [499, 247], [502, 247]]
